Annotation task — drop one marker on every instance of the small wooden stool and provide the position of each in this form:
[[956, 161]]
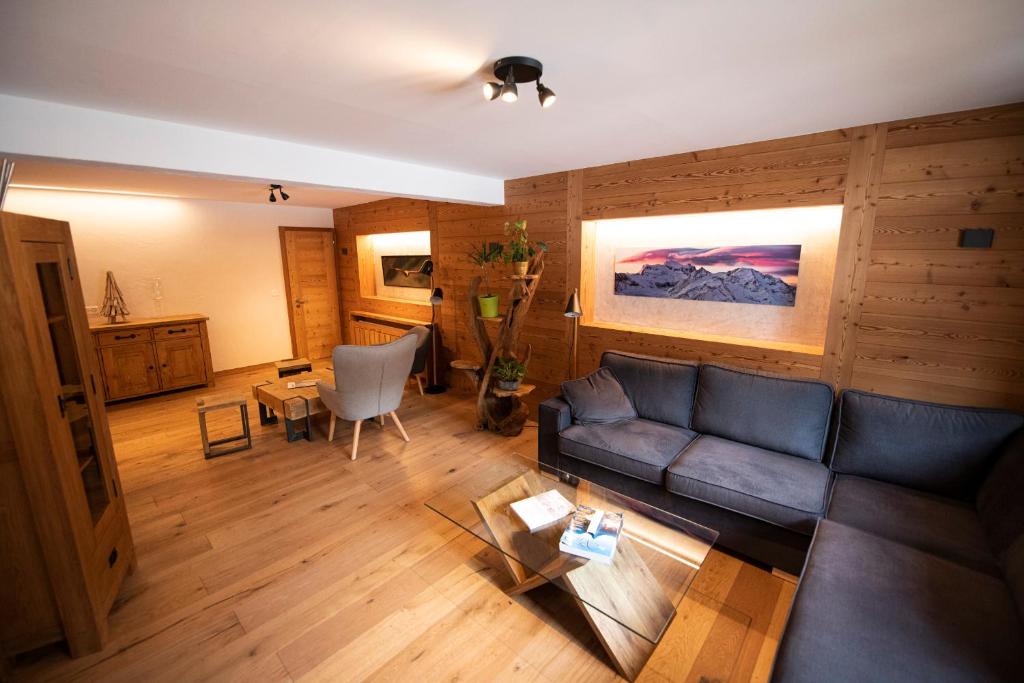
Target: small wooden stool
[[207, 404], [292, 366]]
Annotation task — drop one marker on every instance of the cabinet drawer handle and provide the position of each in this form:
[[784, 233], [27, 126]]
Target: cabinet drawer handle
[[177, 331], [125, 336]]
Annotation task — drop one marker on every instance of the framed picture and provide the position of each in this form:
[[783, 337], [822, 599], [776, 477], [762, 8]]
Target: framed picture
[[404, 271], [755, 274]]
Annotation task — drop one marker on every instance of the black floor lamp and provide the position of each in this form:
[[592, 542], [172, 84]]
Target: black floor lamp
[[436, 299], [574, 311]]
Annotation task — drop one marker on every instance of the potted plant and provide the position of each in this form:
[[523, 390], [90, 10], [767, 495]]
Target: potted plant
[[488, 253], [520, 247], [509, 372]]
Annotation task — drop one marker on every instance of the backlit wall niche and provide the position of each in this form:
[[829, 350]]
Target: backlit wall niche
[[370, 248], [800, 326]]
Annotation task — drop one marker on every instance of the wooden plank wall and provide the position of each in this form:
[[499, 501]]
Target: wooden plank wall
[[912, 314], [388, 215], [940, 322]]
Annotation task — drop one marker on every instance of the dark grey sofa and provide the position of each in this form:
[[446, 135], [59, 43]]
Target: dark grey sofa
[[736, 451], [916, 570]]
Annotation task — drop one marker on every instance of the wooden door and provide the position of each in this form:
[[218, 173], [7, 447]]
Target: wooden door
[[181, 362], [311, 283], [130, 370]]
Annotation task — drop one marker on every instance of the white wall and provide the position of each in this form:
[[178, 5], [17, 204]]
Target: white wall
[[60, 131], [221, 259]]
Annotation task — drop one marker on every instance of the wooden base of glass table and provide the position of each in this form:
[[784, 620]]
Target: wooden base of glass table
[[627, 583]]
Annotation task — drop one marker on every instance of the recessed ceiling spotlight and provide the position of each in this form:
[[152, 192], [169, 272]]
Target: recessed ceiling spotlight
[[284, 195], [512, 70]]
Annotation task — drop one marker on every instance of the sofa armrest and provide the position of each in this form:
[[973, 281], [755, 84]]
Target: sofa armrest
[[553, 416]]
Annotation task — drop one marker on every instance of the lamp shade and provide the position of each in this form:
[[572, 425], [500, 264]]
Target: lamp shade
[[427, 267], [572, 306], [436, 297]]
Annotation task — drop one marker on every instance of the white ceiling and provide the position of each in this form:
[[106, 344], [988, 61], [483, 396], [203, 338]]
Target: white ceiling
[[47, 173], [400, 79]]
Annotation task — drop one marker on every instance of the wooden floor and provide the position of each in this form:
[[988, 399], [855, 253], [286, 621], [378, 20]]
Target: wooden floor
[[292, 562]]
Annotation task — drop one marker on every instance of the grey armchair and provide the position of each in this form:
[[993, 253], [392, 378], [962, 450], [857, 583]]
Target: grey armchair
[[369, 382], [419, 363]]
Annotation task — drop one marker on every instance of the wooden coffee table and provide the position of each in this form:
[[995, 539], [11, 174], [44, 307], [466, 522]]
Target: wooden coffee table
[[297, 405], [629, 603]]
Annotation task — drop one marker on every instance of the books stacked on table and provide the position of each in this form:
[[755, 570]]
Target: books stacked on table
[[592, 534], [543, 510]]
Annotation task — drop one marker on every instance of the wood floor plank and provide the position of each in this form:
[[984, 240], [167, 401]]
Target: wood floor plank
[[290, 561]]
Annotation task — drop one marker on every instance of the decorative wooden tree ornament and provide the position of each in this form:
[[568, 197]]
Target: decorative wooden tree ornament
[[113, 301], [499, 410]]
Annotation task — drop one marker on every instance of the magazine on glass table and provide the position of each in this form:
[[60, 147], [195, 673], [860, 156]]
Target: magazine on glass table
[[592, 534], [543, 510]]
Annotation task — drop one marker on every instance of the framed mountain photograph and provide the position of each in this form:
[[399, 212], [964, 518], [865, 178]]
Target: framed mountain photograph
[[756, 274]]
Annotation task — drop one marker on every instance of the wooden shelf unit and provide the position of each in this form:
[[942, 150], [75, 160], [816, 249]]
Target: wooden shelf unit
[[64, 535]]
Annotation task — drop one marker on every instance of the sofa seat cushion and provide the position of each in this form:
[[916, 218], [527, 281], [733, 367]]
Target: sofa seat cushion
[[637, 448], [941, 526], [782, 489], [870, 609]]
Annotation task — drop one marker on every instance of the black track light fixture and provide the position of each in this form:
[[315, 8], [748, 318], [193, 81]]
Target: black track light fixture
[[280, 191], [512, 70], [546, 95]]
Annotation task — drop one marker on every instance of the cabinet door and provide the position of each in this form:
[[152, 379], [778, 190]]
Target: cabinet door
[[130, 370], [67, 373], [181, 362]]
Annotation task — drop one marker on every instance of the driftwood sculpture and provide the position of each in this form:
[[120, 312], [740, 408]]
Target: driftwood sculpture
[[114, 305], [499, 410]]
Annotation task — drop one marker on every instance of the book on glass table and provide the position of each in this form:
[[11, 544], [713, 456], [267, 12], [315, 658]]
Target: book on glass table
[[543, 510], [592, 534]]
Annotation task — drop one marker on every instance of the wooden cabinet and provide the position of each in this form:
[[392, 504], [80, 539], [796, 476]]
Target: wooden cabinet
[[129, 370], [181, 362], [146, 356], [65, 545]]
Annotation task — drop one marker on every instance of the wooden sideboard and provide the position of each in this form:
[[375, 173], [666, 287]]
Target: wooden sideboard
[[151, 355]]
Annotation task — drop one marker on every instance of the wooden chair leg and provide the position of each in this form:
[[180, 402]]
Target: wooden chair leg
[[380, 421], [398, 424], [355, 437], [419, 383], [330, 431]]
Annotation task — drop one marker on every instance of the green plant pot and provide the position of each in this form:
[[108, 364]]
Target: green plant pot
[[488, 306], [509, 385]]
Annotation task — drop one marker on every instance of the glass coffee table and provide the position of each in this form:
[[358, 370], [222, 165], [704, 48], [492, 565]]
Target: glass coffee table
[[629, 603]]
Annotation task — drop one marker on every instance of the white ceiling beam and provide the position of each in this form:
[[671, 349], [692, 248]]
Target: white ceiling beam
[[46, 129]]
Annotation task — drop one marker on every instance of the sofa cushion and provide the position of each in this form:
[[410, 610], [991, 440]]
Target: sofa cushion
[[1000, 505], [942, 526], [774, 487], [941, 449], [785, 415], [597, 398], [637, 448], [870, 609], [661, 389]]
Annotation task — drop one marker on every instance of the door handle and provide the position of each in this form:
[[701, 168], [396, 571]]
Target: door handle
[[299, 302]]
